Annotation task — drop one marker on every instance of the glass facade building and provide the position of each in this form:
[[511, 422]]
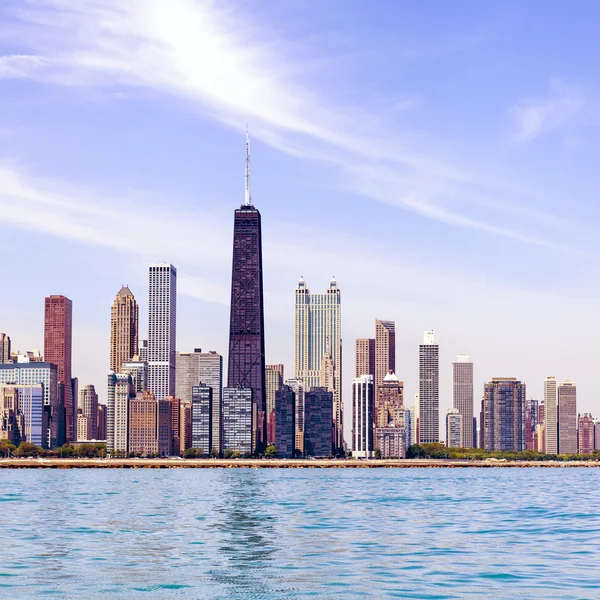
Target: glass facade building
[[318, 422], [285, 430], [202, 409], [238, 425]]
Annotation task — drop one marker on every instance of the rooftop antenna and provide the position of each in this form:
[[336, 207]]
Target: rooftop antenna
[[248, 198]]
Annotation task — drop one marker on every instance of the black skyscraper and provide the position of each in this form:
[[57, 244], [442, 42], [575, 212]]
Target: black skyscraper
[[247, 330]]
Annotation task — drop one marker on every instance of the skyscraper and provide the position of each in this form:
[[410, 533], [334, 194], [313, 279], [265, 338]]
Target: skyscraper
[[58, 337], [247, 326], [531, 423], [102, 422], [318, 422], [389, 402], [274, 382], [567, 417], [139, 373], [365, 357], [123, 329], [238, 416], [462, 396], [22, 415], [202, 414], [194, 368], [88, 405], [363, 409], [504, 414], [120, 392], [550, 416], [5, 351], [429, 390], [299, 389], [284, 422], [385, 350], [162, 303], [585, 435], [317, 337]]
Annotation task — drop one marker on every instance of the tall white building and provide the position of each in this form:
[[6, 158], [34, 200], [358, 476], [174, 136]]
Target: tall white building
[[318, 338], [88, 405], [550, 415], [162, 304], [462, 396], [454, 429], [429, 390], [363, 416]]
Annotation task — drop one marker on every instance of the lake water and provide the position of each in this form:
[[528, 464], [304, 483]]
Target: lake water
[[300, 533]]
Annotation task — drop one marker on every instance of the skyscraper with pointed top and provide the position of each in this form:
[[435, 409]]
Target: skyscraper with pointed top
[[246, 367]]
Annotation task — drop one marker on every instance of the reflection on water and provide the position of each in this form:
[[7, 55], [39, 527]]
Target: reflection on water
[[262, 533]]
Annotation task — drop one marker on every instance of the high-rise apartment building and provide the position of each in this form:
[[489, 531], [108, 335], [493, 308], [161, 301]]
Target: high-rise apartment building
[[567, 417], [550, 420], [5, 350], [185, 426], [175, 425], [503, 414], [102, 422], [318, 432], [58, 337], [365, 357], [149, 425], [531, 422], [28, 374], [22, 415], [385, 350], [123, 329], [462, 396], [455, 429], [88, 405], [285, 427], [246, 367], [429, 390], [194, 368], [202, 413], [363, 409], [317, 338], [143, 351], [138, 370], [273, 382], [300, 391], [389, 402], [585, 435], [120, 393], [162, 303], [238, 414], [596, 434]]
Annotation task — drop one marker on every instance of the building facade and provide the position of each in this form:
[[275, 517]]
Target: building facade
[[202, 411], [317, 337], [46, 374], [550, 421], [391, 441], [274, 382], [285, 425], [532, 412], [567, 417], [585, 434], [365, 357], [162, 318], [22, 415], [238, 426], [102, 422], [319, 427], [300, 391], [463, 397], [363, 414], [504, 414], [5, 349], [385, 350], [88, 408], [389, 402], [138, 370], [429, 390], [455, 429], [120, 393], [58, 339], [123, 329]]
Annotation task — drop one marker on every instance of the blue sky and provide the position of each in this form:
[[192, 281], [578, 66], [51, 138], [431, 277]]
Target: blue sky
[[438, 158]]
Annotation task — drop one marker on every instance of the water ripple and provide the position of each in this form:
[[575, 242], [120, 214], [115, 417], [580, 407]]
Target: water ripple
[[261, 533]]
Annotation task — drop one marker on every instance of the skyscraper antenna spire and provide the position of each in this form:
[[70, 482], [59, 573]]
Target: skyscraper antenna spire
[[248, 200]]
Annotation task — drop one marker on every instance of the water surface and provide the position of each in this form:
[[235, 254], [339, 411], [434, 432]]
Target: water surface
[[300, 533]]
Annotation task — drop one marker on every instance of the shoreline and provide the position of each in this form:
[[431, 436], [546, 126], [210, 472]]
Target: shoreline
[[211, 463]]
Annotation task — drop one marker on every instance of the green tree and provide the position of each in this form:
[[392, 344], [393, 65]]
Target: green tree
[[235, 454], [377, 453], [27, 449], [271, 451], [415, 451], [7, 449]]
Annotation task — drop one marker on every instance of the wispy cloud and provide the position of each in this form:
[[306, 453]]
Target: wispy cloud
[[20, 65], [538, 117], [206, 54]]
